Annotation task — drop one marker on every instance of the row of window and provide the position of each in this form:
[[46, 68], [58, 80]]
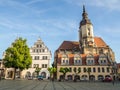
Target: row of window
[[38, 45], [89, 62], [38, 50], [99, 70], [37, 65], [38, 57]]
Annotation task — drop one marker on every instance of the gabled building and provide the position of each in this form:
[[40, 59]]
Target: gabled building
[[89, 52], [41, 57]]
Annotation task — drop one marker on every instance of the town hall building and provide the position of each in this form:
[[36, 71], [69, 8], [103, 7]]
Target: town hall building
[[89, 52]]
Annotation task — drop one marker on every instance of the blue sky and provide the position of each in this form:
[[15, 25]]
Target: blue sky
[[58, 20]]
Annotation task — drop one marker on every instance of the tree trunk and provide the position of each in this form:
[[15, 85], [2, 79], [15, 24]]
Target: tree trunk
[[13, 74], [64, 76]]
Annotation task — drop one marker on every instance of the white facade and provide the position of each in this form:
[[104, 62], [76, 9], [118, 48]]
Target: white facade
[[41, 57]]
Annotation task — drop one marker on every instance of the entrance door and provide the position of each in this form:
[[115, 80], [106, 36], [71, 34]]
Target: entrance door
[[43, 74]]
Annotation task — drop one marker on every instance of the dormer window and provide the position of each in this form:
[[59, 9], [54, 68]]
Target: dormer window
[[64, 60], [90, 59], [102, 59], [77, 60]]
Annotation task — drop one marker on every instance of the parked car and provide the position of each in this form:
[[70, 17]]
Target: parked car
[[107, 79], [40, 77]]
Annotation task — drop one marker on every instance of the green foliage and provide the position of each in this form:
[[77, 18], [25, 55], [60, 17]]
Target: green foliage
[[18, 55], [52, 70], [64, 70], [77, 70], [87, 70], [37, 70]]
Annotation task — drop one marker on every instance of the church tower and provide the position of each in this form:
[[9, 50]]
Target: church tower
[[86, 35]]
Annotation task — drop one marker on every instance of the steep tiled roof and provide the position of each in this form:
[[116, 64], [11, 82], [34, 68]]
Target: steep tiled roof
[[99, 42], [74, 44], [69, 45]]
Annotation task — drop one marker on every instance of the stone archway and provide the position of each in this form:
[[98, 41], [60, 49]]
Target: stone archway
[[84, 77], [77, 77], [100, 77], [61, 77], [69, 77], [92, 77], [10, 74], [43, 74], [28, 74]]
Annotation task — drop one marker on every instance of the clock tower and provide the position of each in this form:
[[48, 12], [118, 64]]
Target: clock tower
[[86, 35]]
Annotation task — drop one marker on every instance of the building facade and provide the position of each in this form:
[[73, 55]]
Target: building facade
[[89, 52], [41, 57]]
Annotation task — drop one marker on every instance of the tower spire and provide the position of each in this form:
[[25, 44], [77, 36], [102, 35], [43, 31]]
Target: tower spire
[[85, 19], [84, 14], [83, 8]]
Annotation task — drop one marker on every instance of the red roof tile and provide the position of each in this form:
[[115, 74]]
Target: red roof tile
[[74, 44], [69, 45], [99, 42]]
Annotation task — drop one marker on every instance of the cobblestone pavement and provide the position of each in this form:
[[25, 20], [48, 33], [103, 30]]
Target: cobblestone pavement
[[48, 85]]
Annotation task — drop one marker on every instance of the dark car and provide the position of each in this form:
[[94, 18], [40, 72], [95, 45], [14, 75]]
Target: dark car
[[107, 79], [40, 77]]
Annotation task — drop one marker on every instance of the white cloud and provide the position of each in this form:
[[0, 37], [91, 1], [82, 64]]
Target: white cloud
[[109, 4]]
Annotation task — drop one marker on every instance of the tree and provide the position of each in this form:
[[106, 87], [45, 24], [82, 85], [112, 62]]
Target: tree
[[52, 70], [64, 71], [17, 56], [88, 70], [37, 70], [77, 71]]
